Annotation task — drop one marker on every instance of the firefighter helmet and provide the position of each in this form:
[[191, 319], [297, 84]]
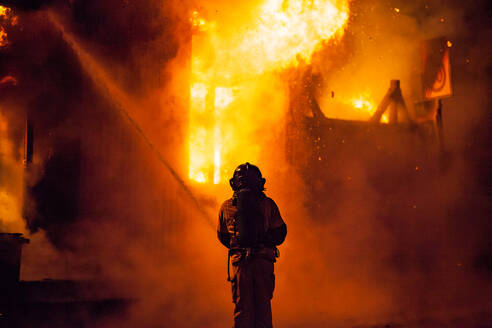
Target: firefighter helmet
[[247, 176]]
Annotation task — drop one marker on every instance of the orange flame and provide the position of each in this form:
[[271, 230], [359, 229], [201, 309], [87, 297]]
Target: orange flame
[[3, 11], [6, 18], [291, 29], [366, 108], [348, 107], [197, 22], [229, 65], [3, 37]]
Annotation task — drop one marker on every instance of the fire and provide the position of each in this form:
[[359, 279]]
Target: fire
[[6, 18], [223, 97], [197, 22], [288, 30], [3, 11], [362, 104], [231, 64], [3, 37], [366, 108], [348, 106]]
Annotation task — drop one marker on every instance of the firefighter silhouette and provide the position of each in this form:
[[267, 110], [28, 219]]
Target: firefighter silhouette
[[251, 227]]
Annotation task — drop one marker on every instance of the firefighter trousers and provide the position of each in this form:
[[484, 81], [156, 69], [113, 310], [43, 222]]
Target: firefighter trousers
[[253, 282]]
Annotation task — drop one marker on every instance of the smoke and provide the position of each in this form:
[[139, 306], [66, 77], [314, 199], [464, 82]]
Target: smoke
[[383, 235], [370, 241]]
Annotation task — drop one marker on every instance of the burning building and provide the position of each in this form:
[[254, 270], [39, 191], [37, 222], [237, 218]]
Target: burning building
[[121, 123]]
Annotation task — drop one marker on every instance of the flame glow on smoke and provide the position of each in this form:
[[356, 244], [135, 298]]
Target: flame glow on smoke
[[12, 184], [229, 65]]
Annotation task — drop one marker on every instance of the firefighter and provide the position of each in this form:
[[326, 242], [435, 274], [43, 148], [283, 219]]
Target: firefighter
[[251, 227]]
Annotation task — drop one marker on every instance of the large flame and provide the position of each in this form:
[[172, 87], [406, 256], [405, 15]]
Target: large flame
[[287, 30], [230, 65]]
